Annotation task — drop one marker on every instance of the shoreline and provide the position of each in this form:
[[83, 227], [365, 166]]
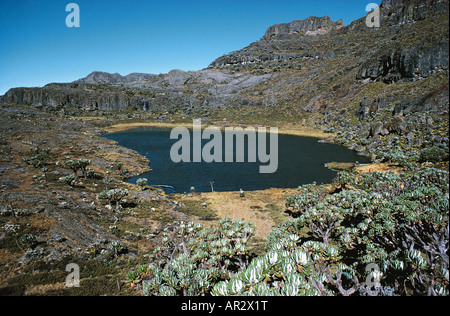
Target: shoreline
[[283, 129], [287, 129]]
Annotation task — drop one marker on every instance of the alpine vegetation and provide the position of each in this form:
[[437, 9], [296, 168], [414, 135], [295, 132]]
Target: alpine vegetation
[[375, 234], [193, 258], [395, 223], [378, 86]]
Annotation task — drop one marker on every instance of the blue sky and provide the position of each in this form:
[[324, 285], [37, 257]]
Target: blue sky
[[125, 36]]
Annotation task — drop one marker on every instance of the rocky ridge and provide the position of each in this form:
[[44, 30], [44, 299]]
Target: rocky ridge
[[316, 72], [382, 92], [310, 26]]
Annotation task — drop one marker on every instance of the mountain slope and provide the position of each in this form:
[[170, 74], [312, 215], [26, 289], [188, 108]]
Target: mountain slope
[[349, 79]]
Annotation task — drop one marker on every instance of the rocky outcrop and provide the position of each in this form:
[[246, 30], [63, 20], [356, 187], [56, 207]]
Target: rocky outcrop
[[406, 11], [113, 92], [416, 61], [310, 26], [289, 66], [420, 51], [388, 4], [107, 78], [71, 96], [293, 41]]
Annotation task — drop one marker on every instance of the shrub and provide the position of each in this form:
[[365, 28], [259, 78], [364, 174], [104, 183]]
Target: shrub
[[194, 258], [113, 196], [40, 157], [28, 239], [116, 246], [92, 174], [133, 277], [78, 164], [433, 154], [69, 179], [398, 156], [308, 195], [287, 272], [11, 229], [142, 182], [389, 236], [398, 222]]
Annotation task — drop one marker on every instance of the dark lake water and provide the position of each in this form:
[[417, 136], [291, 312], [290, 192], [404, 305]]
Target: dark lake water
[[301, 160]]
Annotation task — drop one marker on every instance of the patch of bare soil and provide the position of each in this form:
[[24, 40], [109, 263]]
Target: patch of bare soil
[[265, 208], [377, 167]]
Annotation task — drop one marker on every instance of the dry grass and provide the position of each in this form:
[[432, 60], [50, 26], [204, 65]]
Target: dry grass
[[263, 208], [377, 167], [298, 130], [285, 129], [125, 126], [43, 289]]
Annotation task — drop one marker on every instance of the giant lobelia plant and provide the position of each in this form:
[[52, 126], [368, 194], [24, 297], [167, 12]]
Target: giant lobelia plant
[[388, 235], [193, 258]]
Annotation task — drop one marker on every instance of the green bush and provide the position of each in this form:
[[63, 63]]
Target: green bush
[[113, 196], [40, 157], [395, 223], [28, 239], [398, 156], [308, 195], [142, 182], [78, 164], [433, 154], [69, 179], [388, 235], [194, 258]]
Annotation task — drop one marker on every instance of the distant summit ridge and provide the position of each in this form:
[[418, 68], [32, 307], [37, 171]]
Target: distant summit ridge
[[104, 77], [310, 26], [314, 71]]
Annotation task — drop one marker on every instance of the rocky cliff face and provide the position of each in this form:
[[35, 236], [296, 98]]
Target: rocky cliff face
[[420, 50], [113, 92], [314, 71], [310, 26], [281, 42], [414, 47], [406, 11], [103, 77], [407, 62]]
